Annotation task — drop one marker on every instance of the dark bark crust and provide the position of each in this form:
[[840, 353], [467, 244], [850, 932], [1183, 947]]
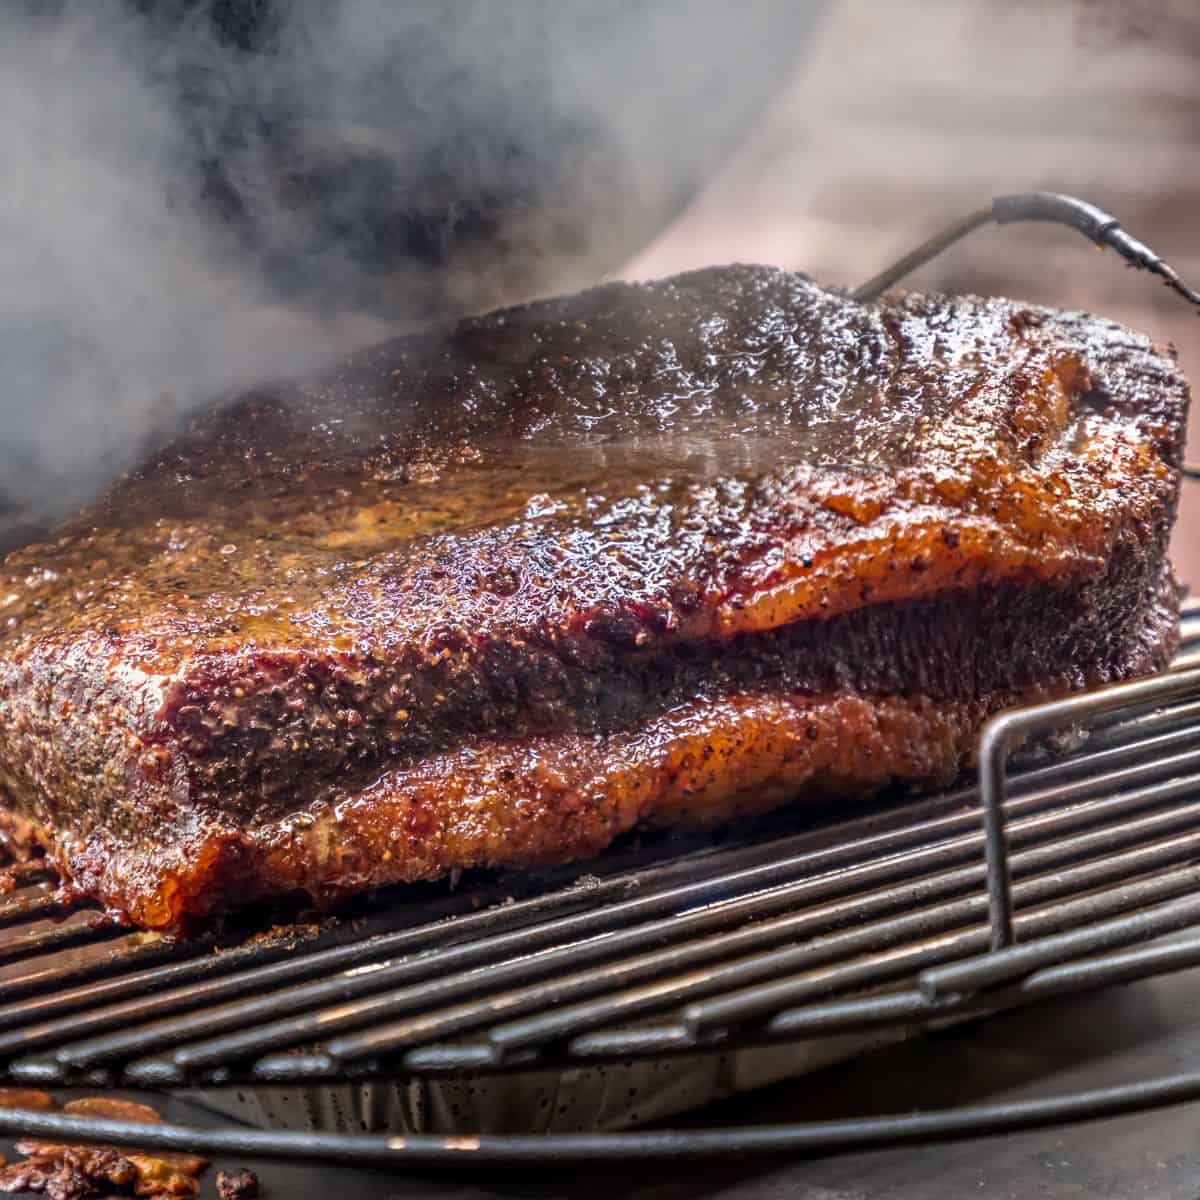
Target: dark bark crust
[[545, 534]]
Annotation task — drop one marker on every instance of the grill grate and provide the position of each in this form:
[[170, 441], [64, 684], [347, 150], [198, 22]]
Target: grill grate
[[1084, 871]]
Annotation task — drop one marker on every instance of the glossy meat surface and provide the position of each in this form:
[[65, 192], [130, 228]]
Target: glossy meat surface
[[477, 590]]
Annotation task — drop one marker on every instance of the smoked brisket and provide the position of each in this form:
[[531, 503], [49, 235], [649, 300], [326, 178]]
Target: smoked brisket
[[494, 593]]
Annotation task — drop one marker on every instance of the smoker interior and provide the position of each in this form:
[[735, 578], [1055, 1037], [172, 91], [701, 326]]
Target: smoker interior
[[667, 973]]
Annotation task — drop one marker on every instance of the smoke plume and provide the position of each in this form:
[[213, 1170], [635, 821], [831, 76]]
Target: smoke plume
[[199, 194]]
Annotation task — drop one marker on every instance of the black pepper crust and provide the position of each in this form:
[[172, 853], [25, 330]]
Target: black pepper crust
[[556, 526]]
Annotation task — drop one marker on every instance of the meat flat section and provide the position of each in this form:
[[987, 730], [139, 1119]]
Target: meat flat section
[[495, 593]]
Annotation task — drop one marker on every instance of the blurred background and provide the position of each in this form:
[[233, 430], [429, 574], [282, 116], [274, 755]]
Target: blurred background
[[904, 116]]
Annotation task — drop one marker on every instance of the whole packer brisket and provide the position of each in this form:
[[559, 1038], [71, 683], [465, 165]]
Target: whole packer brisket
[[658, 554]]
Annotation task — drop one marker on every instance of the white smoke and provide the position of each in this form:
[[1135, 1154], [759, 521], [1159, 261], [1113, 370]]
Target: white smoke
[[119, 301], [200, 194]]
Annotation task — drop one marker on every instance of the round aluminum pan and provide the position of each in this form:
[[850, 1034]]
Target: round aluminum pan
[[597, 1099]]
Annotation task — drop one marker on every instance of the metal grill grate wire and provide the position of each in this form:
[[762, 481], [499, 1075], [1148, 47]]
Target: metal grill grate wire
[[1048, 876]]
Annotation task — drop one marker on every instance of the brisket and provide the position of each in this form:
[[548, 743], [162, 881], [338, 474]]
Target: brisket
[[494, 593]]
